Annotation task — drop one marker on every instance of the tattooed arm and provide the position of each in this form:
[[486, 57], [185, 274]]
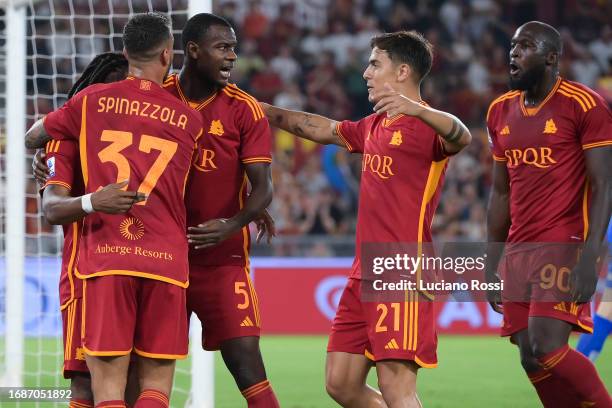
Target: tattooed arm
[[309, 126], [455, 135], [37, 137]]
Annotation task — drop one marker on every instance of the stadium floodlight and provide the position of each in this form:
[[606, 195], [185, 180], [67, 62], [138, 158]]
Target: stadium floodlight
[[44, 45]]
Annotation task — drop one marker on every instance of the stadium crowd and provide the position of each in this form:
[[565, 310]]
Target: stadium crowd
[[311, 55]]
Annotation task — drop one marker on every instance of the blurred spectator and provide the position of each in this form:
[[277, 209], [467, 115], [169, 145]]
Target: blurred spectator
[[255, 24], [601, 48], [285, 65], [586, 70]]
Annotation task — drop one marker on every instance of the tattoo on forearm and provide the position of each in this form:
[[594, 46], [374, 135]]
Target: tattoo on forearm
[[37, 139], [455, 133], [277, 119], [301, 128]]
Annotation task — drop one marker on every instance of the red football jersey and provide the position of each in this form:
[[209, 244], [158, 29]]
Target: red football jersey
[[236, 133], [403, 168], [65, 170], [133, 130], [543, 151]]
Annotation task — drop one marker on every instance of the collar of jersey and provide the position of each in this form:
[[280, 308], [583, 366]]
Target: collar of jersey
[[194, 104], [534, 110]]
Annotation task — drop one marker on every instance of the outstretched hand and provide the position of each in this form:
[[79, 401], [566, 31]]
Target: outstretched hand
[[393, 103]]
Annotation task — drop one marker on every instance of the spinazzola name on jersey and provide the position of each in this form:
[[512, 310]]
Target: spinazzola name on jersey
[[124, 106]]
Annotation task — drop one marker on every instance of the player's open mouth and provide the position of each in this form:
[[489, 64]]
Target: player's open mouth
[[225, 72], [514, 69]]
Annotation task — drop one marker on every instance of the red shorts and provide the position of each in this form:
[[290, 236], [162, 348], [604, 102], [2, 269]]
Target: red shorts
[[125, 313], [387, 330], [224, 299], [74, 358], [536, 283]]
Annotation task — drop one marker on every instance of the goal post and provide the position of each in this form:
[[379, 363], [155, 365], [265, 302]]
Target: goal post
[[14, 204], [202, 394], [44, 46]]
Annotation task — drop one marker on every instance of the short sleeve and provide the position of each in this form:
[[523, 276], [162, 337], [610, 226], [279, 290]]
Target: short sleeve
[[496, 150], [255, 140], [65, 122], [62, 159], [439, 151], [595, 126], [353, 134]]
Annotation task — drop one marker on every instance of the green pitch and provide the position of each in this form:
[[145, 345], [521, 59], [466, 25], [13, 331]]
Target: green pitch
[[473, 372]]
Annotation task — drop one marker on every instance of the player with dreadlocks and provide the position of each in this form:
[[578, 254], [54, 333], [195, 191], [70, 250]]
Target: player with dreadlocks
[[104, 68], [61, 191]]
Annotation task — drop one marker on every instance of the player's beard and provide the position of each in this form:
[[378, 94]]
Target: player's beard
[[528, 79]]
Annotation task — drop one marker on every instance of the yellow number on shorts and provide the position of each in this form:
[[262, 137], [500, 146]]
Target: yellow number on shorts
[[121, 140], [380, 327], [239, 289], [551, 276]]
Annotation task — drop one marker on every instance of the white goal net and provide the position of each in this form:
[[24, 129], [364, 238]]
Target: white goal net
[[44, 47]]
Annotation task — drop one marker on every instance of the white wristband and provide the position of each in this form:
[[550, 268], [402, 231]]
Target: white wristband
[[86, 203]]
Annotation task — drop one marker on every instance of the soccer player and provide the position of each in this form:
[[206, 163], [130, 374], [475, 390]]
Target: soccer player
[[552, 144], [134, 265], [591, 344], [61, 205], [235, 149], [405, 147]]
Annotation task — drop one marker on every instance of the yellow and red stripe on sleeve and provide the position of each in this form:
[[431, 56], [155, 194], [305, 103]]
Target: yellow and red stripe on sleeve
[[596, 144], [343, 138], [234, 92], [250, 160]]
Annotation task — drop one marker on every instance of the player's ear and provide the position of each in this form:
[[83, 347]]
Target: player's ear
[[166, 57], [192, 50], [552, 58], [404, 72]]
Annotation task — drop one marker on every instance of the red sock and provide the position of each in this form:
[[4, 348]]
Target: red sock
[[579, 373], [111, 404], [152, 399], [80, 403], [260, 395], [553, 392]]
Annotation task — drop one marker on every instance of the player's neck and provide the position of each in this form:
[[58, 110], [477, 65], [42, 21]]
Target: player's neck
[[411, 92], [540, 91], [153, 74], [194, 87]]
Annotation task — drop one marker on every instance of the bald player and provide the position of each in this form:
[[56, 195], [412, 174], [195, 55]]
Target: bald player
[[552, 188]]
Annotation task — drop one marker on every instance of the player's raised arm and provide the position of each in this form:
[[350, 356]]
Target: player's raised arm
[[37, 137], [584, 276], [306, 125], [455, 135], [498, 225]]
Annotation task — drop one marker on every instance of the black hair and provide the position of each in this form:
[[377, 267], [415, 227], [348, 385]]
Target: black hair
[[407, 47], [197, 26], [97, 70], [145, 33]]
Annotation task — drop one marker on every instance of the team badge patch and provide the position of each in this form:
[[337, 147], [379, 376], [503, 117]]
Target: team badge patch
[[51, 166]]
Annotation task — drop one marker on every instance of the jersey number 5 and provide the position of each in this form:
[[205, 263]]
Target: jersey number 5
[[121, 140]]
